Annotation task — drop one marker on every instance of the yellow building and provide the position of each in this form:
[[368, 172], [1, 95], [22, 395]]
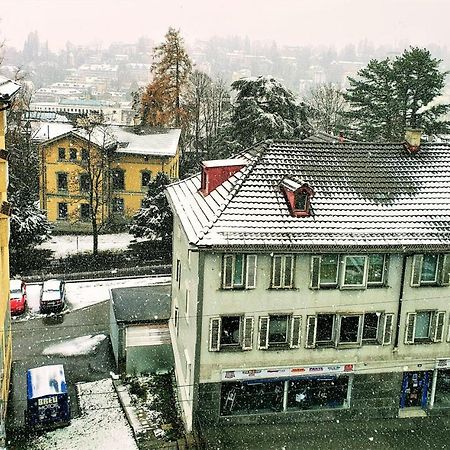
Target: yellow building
[[7, 90], [117, 163]]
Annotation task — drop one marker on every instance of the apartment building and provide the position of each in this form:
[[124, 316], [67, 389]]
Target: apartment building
[[8, 90], [311, 282]]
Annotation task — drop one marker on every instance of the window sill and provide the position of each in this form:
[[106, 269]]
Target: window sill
[[230, 349], [325, 345], [271, 288]]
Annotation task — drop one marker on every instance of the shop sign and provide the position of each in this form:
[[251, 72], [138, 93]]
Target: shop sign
[[443, 363], [289, 372]]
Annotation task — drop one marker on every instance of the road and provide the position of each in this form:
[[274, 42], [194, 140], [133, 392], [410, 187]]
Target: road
[[31, 337]]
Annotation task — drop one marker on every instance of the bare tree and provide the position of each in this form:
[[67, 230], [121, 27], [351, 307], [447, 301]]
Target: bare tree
[[326, 105], [95, 164]]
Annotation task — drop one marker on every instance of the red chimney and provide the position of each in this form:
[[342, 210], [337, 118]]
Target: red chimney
[[215, 172]]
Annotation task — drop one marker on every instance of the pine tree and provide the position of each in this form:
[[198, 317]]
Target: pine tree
[[265, 109], [171, 68], [389, 96], [154, 219]]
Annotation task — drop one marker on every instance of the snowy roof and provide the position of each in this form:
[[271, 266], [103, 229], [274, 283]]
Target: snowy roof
[[367, 196], [101, 137], [41, 131], [51, 285], [15, 285], [141, 303], [46, 380], [7, 88], [159, 143], [225, 162]]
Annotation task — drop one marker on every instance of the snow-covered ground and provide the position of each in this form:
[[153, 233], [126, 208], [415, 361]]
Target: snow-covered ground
[[102, 424], [70, 244], [86, 293], [82, 345]]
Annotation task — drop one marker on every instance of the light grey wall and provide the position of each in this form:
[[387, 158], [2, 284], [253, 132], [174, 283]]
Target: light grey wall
[[304, 301]]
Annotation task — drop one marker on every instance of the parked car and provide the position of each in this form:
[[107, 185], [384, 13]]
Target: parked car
[[53, 296], [17, 296]]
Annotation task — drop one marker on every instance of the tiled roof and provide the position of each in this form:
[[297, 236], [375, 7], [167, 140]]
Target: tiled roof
[[367, 195]]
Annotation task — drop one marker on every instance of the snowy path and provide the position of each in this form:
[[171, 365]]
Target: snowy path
[[69, 244], [101, 426]]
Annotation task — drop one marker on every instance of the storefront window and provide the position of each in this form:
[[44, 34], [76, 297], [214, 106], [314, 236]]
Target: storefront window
[[266, 396], [252, 398], [442, 397], [317, 393]]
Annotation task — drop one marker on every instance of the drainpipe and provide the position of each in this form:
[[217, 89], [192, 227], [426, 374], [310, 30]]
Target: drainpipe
[[400, 300]]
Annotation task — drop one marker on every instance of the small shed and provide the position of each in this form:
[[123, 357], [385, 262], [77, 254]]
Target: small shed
[[139, 327]]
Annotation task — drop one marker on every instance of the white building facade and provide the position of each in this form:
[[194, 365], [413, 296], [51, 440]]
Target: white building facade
[[311, 282]]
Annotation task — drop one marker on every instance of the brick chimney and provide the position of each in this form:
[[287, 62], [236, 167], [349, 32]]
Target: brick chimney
[[216, 172], [412, 139]]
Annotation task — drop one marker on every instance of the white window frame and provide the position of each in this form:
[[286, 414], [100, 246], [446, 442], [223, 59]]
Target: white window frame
[[249, 267], [334, 331], [436, 327], [363, 285], [283, 269], [442, 277]]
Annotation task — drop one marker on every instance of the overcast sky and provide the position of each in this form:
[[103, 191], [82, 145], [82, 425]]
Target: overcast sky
[[294, 22]]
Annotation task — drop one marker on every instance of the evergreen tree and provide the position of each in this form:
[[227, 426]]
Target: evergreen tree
[[154, 219], [171, 69], [389, 96], [265, 109]]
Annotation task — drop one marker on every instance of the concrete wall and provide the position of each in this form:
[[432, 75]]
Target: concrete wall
[[184, 340], [149, 359], [114, 332]]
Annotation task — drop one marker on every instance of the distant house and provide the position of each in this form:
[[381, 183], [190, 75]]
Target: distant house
[[128, 162], [139, 329], [311, 282]]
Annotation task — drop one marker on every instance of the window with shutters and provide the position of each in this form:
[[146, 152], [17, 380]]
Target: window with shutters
[[424, 327], [239, 271], [231, 333], [282, 272], [348, 330], [279, 331], [430, 270]]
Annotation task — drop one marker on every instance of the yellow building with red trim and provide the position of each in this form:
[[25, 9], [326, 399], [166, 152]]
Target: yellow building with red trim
[[7, 91], [125, 163]]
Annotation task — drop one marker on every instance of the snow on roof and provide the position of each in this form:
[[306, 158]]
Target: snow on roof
[[160, 143], [46, 380], [225, 162], [51, 285], [49, 130], [367, 195], [7, 88], [15, 285]]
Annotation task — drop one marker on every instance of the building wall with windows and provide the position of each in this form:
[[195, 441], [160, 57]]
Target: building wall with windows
[[122, 178], [7, 91]]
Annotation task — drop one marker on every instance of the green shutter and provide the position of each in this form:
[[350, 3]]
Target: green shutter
[[445, 271], [410, 328], [214, 334], [296, 330], [250, 282], [315, 272], [416, 270], [289, 271], [263, 333], [276, 271], [387, 329], [438, 331], [311, 323], [227, 272], [247, 341]]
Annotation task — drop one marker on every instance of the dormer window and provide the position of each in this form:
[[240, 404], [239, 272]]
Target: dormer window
[[298, 196]]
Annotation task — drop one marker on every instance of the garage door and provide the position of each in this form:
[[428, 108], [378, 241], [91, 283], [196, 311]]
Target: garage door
[[144, 335]]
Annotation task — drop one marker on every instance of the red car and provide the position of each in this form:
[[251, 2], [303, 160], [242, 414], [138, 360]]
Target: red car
[[18, 296]]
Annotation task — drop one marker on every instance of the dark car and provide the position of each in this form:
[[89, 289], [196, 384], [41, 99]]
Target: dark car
[[17, 296], [53, 296]]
